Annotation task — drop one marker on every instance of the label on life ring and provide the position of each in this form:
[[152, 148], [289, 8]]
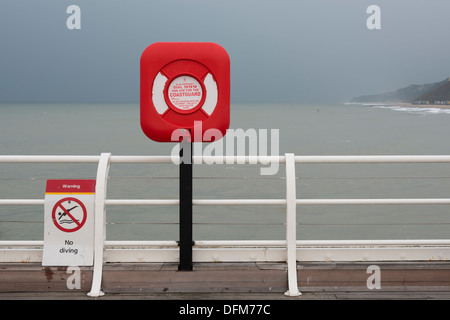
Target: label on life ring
[[185, 93]]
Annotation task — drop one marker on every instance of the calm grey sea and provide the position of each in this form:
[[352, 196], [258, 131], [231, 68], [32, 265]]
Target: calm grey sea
[[90, 129]]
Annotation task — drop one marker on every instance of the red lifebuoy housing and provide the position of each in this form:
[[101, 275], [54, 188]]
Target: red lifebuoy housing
[[183, 83]]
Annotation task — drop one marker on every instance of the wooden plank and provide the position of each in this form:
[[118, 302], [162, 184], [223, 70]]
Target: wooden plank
[[212, 277], [338, 277], [34, 277], [398, 295], [222, 296], [231, 277]]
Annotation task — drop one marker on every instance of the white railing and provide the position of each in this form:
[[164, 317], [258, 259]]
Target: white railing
[[289, 250]]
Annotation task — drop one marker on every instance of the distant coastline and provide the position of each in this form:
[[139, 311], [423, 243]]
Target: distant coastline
[[400, 104], [411, 105], [430, 95]]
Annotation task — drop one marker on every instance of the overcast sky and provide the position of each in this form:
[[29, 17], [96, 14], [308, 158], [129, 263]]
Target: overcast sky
[[280, 51]]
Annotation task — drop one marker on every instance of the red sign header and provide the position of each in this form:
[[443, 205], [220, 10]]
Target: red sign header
[[70, 186]]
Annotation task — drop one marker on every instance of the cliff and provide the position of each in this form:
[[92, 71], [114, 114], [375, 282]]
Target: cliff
[[437, 95], [437, 91]]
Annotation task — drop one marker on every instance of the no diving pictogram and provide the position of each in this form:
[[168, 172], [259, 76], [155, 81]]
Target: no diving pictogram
[[69, 214]]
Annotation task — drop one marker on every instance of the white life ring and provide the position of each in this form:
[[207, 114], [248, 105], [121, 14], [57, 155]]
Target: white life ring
[[160, 103]]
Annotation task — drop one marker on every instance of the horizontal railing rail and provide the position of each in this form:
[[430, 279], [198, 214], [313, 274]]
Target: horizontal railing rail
[[290, 250], [235, 202], [229, 159]]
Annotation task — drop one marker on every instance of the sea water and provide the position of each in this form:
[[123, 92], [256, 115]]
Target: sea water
[[312, 129]]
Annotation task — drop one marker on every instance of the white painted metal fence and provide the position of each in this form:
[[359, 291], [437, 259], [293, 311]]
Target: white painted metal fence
[[289, 250]]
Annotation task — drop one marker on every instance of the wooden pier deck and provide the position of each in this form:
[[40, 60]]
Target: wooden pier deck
[[230, 281]]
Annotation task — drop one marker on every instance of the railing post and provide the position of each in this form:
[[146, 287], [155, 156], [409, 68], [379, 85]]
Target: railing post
[[291, 226], [99, 223]]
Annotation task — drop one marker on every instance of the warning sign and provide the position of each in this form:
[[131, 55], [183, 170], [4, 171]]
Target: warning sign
[[69, 223], [185, 93]]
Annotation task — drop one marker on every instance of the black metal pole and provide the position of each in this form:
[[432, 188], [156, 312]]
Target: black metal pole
[[185, 206]]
